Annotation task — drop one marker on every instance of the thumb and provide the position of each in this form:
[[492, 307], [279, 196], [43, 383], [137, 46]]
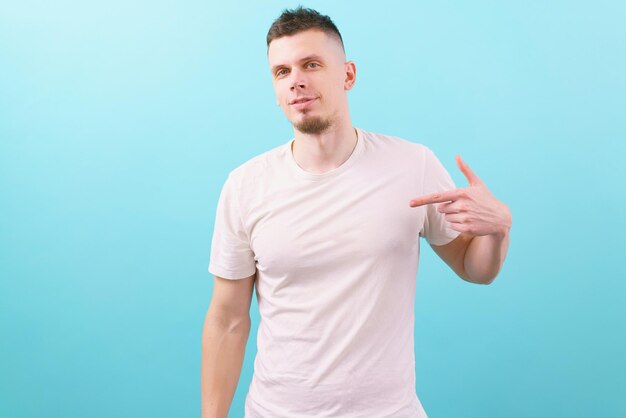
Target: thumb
[[472, 178]]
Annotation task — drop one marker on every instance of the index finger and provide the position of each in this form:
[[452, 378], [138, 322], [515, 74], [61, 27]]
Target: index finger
[[450, 195]]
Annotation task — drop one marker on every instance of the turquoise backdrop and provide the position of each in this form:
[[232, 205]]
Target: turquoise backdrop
[[120, 120]]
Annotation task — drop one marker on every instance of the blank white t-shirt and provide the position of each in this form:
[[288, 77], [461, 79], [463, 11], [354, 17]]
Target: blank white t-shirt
[[336, 257]]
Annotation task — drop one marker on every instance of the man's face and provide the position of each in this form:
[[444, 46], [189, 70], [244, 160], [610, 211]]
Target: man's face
[[311, 78]]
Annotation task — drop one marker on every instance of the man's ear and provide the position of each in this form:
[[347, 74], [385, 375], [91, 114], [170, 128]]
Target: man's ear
[[350, 69]]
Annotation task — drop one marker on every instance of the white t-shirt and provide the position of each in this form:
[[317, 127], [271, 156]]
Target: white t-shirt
[[336, 257]]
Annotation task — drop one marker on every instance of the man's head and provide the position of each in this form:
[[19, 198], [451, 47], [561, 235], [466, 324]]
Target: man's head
[[300, 19], [310, 74]]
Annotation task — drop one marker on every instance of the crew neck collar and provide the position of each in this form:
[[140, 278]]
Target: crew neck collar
[[300, 172]]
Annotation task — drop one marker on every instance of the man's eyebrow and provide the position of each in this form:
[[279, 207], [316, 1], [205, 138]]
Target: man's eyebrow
[[307, 58]]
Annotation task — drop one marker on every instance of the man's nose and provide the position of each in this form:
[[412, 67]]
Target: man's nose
[[298, 85], [297, 80]]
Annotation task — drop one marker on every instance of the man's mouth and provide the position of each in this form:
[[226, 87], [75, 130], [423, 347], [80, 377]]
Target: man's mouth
[[302, 102]]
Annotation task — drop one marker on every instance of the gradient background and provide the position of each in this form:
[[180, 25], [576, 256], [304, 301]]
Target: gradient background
[[119, 122]]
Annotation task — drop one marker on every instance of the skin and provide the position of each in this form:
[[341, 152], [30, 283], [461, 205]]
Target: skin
[[478, 253], [312, 64]]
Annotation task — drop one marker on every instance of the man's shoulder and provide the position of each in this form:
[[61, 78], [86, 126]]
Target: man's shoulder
[[394, 142], [259, 164]]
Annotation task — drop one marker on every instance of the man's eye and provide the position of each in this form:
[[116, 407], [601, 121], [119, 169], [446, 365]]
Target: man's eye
[[281, 72], [313, 63]]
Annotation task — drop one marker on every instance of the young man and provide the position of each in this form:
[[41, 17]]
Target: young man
[[327, 227]]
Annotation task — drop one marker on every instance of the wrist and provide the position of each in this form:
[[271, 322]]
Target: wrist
[[505, 225]]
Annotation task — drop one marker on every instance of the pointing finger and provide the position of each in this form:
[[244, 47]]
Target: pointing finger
[[450, 195]]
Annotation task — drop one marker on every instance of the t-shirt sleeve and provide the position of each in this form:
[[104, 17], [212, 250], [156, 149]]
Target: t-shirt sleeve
[[231, 255], [436, 229]]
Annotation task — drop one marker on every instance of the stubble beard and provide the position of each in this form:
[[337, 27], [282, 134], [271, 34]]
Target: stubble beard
[[313, 125]]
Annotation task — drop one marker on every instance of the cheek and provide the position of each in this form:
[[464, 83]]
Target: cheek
[[335, 87], [279, 91], [335, 92], [283, 101]]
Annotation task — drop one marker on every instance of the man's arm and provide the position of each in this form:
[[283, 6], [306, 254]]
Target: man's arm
[[478, 253], [476, 259], [224, 338]]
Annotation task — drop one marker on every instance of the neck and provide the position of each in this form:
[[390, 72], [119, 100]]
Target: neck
[[323, 152]]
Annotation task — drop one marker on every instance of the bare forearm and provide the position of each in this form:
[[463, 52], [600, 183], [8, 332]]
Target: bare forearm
[[485, 255], [223, 349]]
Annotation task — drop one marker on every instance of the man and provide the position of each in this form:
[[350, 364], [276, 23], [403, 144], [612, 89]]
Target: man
[[327, 227]]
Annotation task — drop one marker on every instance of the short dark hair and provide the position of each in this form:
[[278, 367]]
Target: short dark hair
[[300, 19]]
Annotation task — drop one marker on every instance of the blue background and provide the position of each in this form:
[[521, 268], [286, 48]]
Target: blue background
[[119, 122]]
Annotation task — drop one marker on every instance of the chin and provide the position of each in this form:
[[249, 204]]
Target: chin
[[312, 125]]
